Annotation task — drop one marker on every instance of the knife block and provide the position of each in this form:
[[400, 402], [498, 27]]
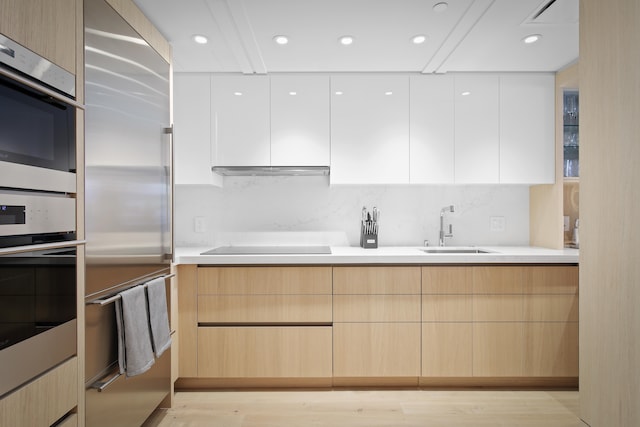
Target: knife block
[[368, 240]]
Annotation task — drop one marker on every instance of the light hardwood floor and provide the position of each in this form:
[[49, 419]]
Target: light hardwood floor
[[364, 408]]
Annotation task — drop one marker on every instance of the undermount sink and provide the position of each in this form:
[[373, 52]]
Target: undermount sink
[[455, 251]]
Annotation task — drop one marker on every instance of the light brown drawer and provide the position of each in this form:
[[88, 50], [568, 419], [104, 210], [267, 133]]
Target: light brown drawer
[[306, 309], [551, 308], [44, 400], [447, 280], [264, 352], [264, 280], [447, 308], [498, 308], [551, 280], [376, 280], [498, 349], [498, 280], [376, 308]]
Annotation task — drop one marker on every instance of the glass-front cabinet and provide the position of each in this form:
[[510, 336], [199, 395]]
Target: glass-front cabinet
[[571, 164]]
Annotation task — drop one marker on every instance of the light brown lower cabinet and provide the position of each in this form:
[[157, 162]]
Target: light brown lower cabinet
[[264, 352], [43, 401], [373, 325], [376, 349], [500, 321]]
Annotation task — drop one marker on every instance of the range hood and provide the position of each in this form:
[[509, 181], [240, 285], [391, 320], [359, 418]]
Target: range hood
[[271, 170]]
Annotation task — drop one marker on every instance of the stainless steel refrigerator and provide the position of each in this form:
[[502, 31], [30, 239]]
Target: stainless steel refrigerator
[[128, 209]]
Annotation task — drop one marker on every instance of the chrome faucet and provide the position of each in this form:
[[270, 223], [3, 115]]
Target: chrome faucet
[[442, 233]]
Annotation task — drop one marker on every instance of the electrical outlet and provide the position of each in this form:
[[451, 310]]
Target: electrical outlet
[[199, 225], [497, 223]]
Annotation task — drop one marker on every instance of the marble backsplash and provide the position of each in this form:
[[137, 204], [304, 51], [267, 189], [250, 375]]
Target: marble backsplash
[[307, 209]]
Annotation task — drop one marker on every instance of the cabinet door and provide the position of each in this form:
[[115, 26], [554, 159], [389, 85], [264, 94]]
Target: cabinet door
[[46, 27], [551, 349], [369, 129], [264, 352], [498, 349], [432, 129], [300, 121], [447, 349], [240, 114], [527, 136], [192, 120], [376, 349], [477, 136]]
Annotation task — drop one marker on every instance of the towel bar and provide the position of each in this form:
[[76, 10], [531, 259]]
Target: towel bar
[[116, 297]]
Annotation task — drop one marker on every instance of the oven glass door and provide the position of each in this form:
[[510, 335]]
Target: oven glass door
[[37, 293], [37, 130]]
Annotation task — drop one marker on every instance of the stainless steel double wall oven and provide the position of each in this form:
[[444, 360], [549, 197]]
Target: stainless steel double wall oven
[[38, 246]]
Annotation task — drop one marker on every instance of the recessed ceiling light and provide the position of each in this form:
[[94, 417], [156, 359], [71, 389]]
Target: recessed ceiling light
[[388, 93], [339, 92], [346, 40], [292, 93], [200, 39], [465, 93], [237, 93], [532, 38], [440, 7], [419, 39], [281, 39]]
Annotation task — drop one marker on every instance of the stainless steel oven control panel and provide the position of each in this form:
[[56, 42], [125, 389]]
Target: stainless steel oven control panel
[[36, 213]]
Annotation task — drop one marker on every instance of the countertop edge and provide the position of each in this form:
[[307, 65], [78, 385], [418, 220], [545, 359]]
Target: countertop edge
[[385, 255]]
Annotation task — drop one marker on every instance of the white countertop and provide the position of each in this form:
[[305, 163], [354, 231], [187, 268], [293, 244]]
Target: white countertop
[[387, 255]]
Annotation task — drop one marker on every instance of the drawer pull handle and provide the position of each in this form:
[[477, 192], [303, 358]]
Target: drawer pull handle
[[102, 385]]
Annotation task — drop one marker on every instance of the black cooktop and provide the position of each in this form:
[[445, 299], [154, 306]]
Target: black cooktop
[[269, 250]]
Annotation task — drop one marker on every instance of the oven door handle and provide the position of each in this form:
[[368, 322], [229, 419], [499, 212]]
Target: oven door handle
[[102, 385]]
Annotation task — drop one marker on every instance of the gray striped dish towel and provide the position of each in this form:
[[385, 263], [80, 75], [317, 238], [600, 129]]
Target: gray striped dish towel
[[135, 355], [158, 315]]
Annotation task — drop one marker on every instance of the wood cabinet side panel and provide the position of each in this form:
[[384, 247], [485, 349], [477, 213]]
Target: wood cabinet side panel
[[376, 349], [263, 352], [376, 280], [264, 280], [264, 309], [188, 320], [376, 308]]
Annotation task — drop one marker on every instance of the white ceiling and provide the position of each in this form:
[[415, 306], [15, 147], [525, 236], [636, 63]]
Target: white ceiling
[[470, 35]]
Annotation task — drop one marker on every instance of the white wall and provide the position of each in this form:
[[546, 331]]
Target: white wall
[[409, 214]]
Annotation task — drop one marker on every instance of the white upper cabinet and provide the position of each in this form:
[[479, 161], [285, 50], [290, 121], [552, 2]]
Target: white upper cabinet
[[527, 148], [432, 129], [241, 126], [369, 129], [477, 131], [300, 120], [192, 128]]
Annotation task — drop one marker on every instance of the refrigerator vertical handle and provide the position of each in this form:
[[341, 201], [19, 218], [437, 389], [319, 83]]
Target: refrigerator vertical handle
[[169, 135]]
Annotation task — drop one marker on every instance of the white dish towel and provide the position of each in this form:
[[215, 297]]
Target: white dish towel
[[135, 355], [158, 316]]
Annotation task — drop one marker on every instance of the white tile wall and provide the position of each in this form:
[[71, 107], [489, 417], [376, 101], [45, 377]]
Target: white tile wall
[[268, 208]]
